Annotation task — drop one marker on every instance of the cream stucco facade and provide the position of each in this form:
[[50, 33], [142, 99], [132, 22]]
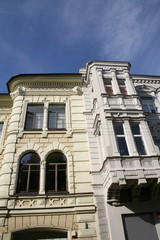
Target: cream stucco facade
[[72, 212]]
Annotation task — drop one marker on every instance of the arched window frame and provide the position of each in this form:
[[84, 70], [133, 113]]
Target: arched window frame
[[28, 169], [56, 169]]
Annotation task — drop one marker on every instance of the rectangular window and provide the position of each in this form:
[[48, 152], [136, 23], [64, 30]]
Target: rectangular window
[[34, 117], [108, 86], [121, 141], [1, 127], [56, 116], [148, 106], [122, 87], [138, 138]]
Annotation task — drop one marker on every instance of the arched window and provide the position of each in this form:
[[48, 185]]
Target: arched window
[[29, 169], [56, 173]]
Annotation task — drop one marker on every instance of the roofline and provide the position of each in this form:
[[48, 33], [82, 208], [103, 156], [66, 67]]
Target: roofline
[[39, 74], [110, 62]]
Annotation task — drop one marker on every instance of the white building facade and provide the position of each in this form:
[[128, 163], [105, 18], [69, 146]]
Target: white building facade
[[122, 114]]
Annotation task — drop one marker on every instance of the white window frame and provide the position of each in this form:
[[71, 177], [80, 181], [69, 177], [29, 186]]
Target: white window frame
[[46, 103]]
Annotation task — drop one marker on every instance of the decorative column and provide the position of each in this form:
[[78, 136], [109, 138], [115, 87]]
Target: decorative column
[[10, 148], [45, 119], [42, 177]]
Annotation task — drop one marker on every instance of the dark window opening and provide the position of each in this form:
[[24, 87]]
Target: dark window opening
[[56, 176], [121, 141], [138, 139], [28, 179]]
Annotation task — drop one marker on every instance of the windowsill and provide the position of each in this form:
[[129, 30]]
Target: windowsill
[[31, 194]]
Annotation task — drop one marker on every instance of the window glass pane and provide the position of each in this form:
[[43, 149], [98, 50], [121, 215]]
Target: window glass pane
[[29, 121], [108, 86], [56, 157], [118, 129], [61, 180], [38, 121], [30, 158], [122, 87], [61, 120], [122, 146], [22, 181], [1, 126], [34, 181], [50, 181], [145, 108], [140, 145], [34, 117], [135, 128], [56, 118]]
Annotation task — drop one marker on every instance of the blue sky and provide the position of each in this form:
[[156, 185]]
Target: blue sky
[[60, 36]]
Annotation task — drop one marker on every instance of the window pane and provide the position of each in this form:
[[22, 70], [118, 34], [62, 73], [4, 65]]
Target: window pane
[[30, 158], [61, 120], [22, 181], [34, 181], [61, 180], [140, 145], [56, 157], [29, 121], [135, 128], [122, 146], [122, 87], [118, 129], [38, 121], [56, 118], [108, 86], [50, 181], [1, 126]]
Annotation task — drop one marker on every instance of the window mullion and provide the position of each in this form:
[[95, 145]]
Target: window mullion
[[56, 175], [28, 178]]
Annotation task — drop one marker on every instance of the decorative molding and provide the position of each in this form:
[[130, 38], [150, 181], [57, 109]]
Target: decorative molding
[[128, 164], [147, 163], [77, 90], [20, 91]]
